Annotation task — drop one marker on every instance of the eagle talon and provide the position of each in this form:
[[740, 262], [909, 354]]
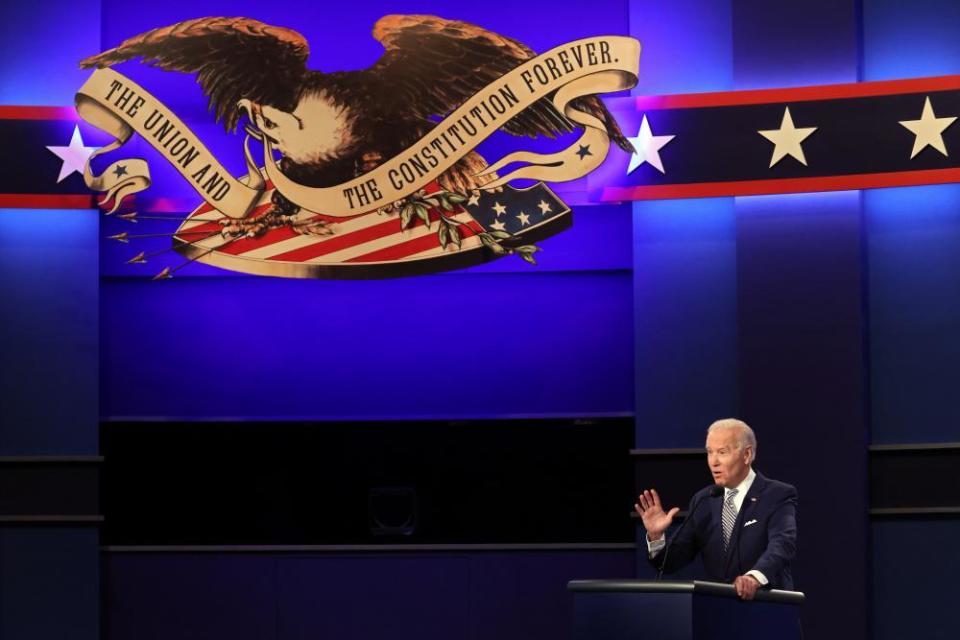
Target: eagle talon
[[257, 227]]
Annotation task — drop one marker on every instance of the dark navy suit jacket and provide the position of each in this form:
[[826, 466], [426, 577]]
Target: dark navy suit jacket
[[767, 545]]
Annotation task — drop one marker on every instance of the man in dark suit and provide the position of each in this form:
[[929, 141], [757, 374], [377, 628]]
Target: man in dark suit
[[747, 530]]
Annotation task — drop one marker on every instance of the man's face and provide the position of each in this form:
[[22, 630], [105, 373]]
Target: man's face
[[728, 464]]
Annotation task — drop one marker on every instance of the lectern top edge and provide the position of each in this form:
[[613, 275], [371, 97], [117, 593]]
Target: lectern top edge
[[675, 586]]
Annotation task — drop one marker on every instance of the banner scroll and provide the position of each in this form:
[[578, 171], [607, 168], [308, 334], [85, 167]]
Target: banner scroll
[[118, 106]]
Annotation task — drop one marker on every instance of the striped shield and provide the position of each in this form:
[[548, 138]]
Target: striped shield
[[373, 244]]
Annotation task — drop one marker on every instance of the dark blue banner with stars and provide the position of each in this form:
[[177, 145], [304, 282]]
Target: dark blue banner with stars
[[43, 159], [835, 137]]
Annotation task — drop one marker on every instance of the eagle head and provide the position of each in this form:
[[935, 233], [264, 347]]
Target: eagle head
[[317, 131]]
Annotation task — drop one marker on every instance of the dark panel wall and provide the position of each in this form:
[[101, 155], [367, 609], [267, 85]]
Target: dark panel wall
[[49, 582], [461, 596], [916, 590], [413, 482]]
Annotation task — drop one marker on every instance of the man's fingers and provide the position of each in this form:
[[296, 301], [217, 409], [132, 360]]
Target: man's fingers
[[650, 495], [646, 500], [673, 512], [746, 587], [656, 497]]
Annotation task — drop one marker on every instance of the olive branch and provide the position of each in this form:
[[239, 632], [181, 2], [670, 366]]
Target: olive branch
[[418, 205]]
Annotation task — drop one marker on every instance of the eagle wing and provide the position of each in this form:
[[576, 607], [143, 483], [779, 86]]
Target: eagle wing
[[233, 58], [432, 65]]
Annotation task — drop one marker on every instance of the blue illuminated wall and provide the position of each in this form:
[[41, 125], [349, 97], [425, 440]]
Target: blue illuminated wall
[[913, 240], [500, 339], [913, 237], [49, 343]]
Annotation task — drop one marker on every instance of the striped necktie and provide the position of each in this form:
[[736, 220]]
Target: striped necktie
[[728, 517]]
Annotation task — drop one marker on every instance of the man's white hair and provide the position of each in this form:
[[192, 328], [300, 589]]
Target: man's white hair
[[745, 435]]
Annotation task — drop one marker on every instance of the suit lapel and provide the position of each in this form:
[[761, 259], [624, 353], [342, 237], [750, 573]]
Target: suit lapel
[[749, 504]]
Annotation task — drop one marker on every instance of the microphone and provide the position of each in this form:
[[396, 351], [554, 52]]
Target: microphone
[[715, 492]]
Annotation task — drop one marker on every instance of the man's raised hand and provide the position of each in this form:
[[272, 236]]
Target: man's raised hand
[[655, 520]]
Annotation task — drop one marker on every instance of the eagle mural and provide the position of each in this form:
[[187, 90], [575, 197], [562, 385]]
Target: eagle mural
[[333, 127]]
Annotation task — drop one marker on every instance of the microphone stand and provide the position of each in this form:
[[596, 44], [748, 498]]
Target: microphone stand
[[715, 491]]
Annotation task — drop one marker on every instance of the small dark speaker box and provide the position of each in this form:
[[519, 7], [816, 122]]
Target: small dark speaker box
[[392, 511]]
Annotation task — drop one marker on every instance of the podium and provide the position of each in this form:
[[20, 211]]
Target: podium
[[670, 610]]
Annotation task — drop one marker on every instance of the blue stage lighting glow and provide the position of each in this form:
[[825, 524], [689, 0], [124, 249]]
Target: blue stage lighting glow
[[910, 39], [449, 346], [778, 44], [913, 236], [796, 203], [49, 324], [42, 228], [685, 318], [42, 48], [687, 46]]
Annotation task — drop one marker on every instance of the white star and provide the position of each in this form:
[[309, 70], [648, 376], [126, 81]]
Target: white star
[[74, 156], [544, 207], [498, 226], [524, 219], [474, 199], [647, 148], [499, 209], [786, 140], [928, 129]]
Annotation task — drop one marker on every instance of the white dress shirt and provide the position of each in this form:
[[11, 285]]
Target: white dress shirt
[[655, 546]]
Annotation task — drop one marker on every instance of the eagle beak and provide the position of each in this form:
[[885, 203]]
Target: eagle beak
[[254, 115], [252, 108]]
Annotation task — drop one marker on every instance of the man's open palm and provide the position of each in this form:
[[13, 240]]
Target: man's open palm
[[655, 519]]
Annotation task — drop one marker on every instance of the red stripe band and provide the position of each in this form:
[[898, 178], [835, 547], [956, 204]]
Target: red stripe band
[[8, 112], [797, 94], [45, 201], [785, 185], [411, 247]]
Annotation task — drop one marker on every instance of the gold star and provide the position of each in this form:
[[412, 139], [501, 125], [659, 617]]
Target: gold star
[[787, 139], [498, 226], [499, 209], [474, 199], [928, 129], [544, 207], [524, 219]]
